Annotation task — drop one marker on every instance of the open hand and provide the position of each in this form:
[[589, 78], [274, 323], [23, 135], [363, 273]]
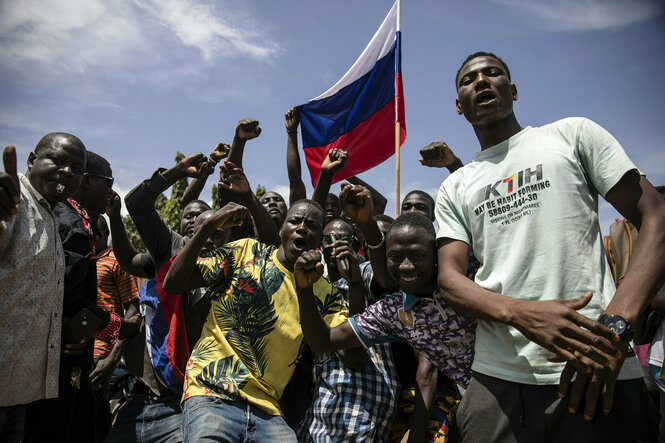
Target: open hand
[[233, 179], [291, 119], [356, 202], [555, 325], [9, 185], [334, 161], [247, 129], [308, 269], [437, 155]]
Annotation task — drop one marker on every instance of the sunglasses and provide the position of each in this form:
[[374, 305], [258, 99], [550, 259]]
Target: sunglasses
[[108, 180]]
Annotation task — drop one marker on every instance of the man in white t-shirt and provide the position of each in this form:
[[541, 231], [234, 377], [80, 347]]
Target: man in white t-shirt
[[527, 206]]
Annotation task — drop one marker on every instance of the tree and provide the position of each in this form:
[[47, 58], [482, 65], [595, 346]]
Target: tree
[[260, 190], [215, 199], [172, 210]]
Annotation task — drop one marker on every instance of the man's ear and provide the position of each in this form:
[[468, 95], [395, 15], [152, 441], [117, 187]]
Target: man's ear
[[458, 107], [31, 159], [514, 88], [85, 181]]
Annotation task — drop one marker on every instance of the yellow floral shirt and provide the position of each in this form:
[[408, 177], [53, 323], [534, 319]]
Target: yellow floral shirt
[[252, 340]]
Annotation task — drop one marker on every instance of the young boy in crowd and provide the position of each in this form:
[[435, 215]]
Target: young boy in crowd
[[31, 308], [417, 314]]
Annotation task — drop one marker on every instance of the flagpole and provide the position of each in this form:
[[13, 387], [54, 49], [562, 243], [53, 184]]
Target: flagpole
[[397, 128]]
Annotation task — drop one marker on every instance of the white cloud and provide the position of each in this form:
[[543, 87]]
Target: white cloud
[[587, 15]]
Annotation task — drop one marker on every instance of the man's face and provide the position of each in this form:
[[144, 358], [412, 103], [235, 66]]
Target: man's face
[[341, 231], [60, 164], [301, 230], [189, 215], [484, 92], [333, 208], [410, 259], [99, 188], [275, 205], [418, 203]]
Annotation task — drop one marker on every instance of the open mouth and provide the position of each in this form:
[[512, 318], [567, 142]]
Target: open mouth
[[409, 279], [485, 97], [299, 243]]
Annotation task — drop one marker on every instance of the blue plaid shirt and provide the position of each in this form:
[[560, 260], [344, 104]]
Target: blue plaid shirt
[[348, 404]]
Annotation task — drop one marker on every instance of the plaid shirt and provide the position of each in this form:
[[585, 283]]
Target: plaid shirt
[[352, 405]]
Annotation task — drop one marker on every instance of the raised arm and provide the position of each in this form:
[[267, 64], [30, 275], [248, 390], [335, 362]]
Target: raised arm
[[9, 185], [128, 258], [356, 202], [184, 275], [378, 200], [156, 234], [297, 189], [334, 161], [321, 338], [235, 181], [439, 155], [247, 129]]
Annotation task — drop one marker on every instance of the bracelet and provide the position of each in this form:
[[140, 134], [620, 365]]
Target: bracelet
[[110, 333], [377, 246], [292, 131]]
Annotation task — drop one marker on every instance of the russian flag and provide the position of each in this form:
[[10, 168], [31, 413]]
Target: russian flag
[[358, 114], [166, 336]]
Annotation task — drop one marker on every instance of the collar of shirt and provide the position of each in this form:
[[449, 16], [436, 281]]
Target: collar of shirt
[[409, 301], [35, 193]]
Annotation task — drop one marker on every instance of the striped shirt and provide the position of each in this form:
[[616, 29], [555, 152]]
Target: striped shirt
[[115, 288]]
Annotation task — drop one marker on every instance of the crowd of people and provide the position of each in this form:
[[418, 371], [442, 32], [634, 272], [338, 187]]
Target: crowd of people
[[327, 320]]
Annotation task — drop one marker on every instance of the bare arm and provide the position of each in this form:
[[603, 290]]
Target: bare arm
[[219, 152], [378, 200], [357, 204], [184, 275], [321, 338], [334, 161], [297, 187], [247, 129], [128, 258], [425, 397], [236, 182]]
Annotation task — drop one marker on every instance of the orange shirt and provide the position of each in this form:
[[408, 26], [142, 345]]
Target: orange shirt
[[115, 288]]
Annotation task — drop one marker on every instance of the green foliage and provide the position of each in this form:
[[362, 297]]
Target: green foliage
[[133, 234], [172, 210], [215, 198], [260, 190]]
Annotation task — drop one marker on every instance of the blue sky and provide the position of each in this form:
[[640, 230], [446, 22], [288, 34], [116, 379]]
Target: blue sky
[[137, 80]]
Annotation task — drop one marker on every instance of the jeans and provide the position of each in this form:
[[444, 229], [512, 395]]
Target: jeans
[[214, 419], [148, 418]]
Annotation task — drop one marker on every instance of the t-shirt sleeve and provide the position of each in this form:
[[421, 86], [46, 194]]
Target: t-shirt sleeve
[[126, 285], [377, 324], [449, 216], [602, 157], [218, 266], [330, 303]]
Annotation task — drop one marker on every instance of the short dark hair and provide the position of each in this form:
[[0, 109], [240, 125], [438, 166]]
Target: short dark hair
[[97, 164], [312, 203], [201, 202], [482, 54], [661, 189], [384, 218], [50, 139], [414, 219], [424, 194]]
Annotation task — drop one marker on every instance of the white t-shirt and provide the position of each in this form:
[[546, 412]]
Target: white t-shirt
[[529, 209]]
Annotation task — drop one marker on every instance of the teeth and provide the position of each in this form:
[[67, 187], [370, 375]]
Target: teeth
[[409, 279], [59, 188]]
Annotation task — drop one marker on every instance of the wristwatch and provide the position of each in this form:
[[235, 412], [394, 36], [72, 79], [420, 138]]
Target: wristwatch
[[618, 324]]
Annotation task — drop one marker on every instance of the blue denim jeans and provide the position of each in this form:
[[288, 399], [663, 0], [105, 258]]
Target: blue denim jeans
[[214, 419], [147, 418]]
